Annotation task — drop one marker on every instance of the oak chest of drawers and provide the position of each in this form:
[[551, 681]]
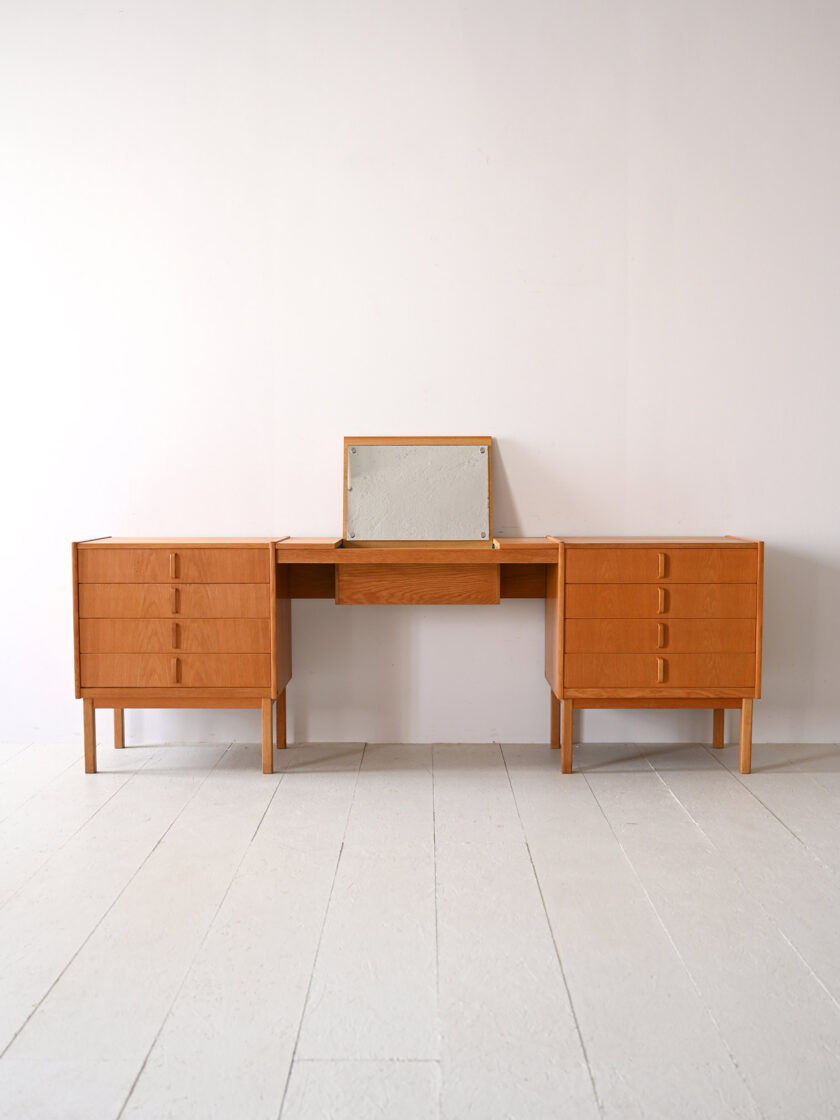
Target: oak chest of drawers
[[180, 623], [666, 623]]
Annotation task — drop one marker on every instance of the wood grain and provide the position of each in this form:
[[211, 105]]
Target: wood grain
[[628, 670], [679, 565], [190, 565], [679, 635], [417, 583], [157, 635], [640, 600], [150, 670], [152, 600]]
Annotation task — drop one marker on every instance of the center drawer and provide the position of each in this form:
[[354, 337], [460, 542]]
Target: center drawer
[[680, 565], [647, 600], [417, 583], [159, 635]]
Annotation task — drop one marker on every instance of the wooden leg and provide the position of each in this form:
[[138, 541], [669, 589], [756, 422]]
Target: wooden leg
[[280, 720], [267, 738], [717, 728], [555, 721], [90, 736], [119, 728], [566, 737], [746, 736]]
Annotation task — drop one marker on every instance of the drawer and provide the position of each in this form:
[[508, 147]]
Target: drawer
[[417, 583], [163, 565], [643, 565], [158, 635], [154, 600], [645, 670], [643, 635], [160, 670], [639, 600]]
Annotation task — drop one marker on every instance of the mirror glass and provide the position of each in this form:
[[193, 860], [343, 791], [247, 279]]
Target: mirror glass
[[417, 492]]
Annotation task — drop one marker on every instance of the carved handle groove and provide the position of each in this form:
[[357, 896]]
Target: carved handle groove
[[175, 635], [660, 670], [176, 670], [662, 603], [174, 599], [173, 565], [662, 562], [661, 635]]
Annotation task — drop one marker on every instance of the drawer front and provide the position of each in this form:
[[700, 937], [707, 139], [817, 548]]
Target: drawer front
[[151, 600], [644, 670], [417, 583], [162, 565], [639, 600], [643, 635], [158, 635], [652, 565], [156, 670]]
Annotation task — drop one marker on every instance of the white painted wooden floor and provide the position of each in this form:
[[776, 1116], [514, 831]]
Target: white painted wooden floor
[[418, 932]]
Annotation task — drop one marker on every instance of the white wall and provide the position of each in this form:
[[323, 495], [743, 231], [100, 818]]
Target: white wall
[[605, 233]]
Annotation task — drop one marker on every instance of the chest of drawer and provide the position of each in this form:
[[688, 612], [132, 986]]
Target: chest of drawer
[[643, 670], [163, 565], [640, 600], [158, 635], [156, 670], [652, 565], [643, 635], [153, 600]]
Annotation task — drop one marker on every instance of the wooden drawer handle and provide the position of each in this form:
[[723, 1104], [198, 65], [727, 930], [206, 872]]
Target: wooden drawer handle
[[173, 565], [175, 599], [175, 635], [176, 670], [661, 566], [660, 670], [662, 601], [661, 635]]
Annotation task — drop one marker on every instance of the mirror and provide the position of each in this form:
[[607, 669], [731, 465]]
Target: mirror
[[417, 489]]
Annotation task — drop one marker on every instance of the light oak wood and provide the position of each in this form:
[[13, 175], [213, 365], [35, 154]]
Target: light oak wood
[[626, 670], [566, 738], [712, 701], [417, 583], [138, 670], [639, 600], [683, 635], [718, 728], [267, 732], [655, 692], [188, 635], [89, 717], [281, 672], [679, 565], [759, 615], [281, 720], [554, 732], [310, 581], [119, 728], [554, 590], [182, 697], [184, 565], [745, 754], [151, 600]]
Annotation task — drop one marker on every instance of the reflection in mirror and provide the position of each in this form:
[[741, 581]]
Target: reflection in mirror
[[417, 492]]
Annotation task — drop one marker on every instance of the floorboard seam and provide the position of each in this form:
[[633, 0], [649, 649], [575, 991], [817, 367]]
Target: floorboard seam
[[293, 1058], [598, 1103], [108, 910], [703, 1003], [199, 947], [46, 785]]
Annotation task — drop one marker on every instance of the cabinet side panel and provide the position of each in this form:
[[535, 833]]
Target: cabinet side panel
[[76, 665], [282, 671], [759, 612], [554, 585]]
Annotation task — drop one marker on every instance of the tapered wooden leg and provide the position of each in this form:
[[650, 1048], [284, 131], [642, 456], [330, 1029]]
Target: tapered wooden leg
[[746, 736], [119, 728], [267, 738], [555, 721], [566, 737], [90, 736], [717, 728], [280, 720]]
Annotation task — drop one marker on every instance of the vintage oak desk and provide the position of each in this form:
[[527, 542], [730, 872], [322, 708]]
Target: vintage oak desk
[[630, 622]]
